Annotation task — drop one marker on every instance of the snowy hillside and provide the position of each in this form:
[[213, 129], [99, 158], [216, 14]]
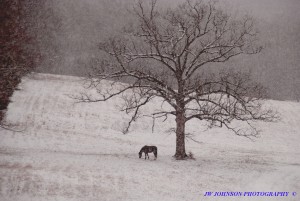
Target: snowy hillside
[[77, 151]]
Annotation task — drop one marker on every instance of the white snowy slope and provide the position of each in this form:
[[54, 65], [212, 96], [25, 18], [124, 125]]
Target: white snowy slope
[[78, 152]]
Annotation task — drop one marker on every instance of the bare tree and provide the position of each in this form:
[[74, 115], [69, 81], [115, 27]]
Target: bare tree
[[164, 54]]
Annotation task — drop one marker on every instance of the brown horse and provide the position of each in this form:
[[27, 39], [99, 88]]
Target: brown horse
[[148, 149]]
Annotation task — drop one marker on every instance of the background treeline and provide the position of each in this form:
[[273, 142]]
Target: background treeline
[[18, 54]]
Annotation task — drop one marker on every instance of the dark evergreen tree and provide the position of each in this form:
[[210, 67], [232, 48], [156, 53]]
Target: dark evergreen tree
[[17, 58]]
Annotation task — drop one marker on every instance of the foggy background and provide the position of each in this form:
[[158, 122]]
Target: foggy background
[[68, 32]]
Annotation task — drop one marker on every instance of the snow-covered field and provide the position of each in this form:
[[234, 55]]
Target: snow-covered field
[[70, 151]]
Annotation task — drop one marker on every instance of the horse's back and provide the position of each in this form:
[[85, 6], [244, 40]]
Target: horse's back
[[150, 148]]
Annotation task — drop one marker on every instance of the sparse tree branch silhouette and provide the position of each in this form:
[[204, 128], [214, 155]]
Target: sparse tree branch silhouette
[[164, 56]]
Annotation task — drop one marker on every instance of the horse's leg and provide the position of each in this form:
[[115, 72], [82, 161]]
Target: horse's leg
[[145, 155]]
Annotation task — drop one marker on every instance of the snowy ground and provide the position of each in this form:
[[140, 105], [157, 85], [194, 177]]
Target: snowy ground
[[77, 152]]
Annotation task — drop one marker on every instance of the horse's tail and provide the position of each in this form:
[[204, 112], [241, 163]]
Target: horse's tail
[[155, 152]]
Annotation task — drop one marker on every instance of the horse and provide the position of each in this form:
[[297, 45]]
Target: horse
[[148, 149]]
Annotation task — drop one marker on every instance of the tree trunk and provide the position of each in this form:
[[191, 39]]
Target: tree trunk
[[180, 136]]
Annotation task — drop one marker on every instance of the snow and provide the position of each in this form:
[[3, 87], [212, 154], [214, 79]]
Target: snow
[[77, 151]]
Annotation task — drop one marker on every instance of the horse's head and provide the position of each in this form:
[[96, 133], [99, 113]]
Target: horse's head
[[140, 154]]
